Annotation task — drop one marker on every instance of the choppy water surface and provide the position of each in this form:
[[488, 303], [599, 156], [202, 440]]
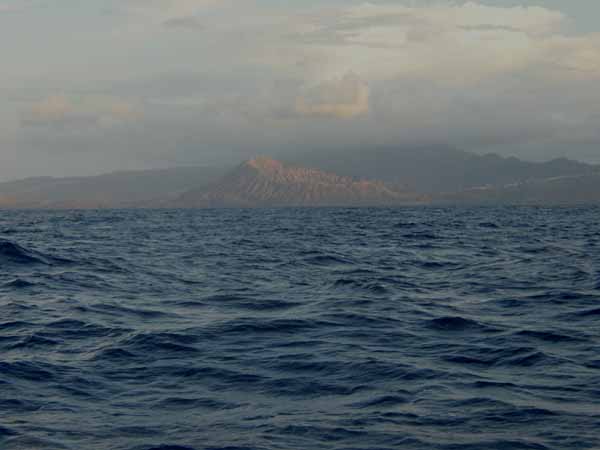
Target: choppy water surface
[[300, 329]]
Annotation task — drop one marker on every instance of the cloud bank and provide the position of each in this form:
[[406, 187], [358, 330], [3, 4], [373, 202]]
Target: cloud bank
[[60, 111], [194, 81]]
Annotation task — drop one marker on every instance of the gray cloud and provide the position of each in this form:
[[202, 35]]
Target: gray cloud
[[188, 23]]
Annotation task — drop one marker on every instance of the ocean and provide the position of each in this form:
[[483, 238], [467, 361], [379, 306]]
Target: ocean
[[292, 329]]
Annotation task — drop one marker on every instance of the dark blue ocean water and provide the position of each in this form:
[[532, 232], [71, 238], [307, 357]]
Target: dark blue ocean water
[[299, 329]]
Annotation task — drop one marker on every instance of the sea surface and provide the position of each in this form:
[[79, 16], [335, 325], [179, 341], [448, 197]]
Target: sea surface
[[293, 329]]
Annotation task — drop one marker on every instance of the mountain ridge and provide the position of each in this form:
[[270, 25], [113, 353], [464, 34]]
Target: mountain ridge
[[112, 190], [439, 169], [263, 181], [431, 176]]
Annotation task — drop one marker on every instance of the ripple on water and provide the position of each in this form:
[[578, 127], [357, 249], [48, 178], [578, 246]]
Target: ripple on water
[[288, 329]]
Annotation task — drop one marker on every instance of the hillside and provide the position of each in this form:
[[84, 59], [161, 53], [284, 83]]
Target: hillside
[[264, 182], [555, 191], [114, 190], [439, 169], [370, 178]]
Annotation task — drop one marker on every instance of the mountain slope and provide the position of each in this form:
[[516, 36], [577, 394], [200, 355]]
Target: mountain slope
[[433, 175], [438, 169], [264, 182], [562, 190], [114, 190]]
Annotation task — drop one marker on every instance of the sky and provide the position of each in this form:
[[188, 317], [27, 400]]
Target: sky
[[102, 85]]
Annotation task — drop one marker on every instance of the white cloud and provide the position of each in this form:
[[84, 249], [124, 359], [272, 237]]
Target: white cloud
[[535, 20], [343, 98], [453, 43]]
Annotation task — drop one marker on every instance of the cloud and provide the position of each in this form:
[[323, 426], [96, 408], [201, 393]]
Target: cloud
[[535, 20], [188, 23], [343, 98], [286, 75], [17, 6], [176, 7], [456, 43], [54, 107], [169, 10], [63, 111], [152, 16], [10, 7]]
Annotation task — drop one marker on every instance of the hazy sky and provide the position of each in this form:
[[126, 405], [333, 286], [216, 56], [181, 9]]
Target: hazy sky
[[97, 85]]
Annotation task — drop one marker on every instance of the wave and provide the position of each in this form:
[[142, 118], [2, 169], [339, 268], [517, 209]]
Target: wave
[[421, 236], [28, 442], [113, 354], [167, 344], [4, 432], [515, 415], [489, 225], [368, 286], [327, 260], [214, 374], [308, 388], [500, 444], [18, 406], [18, 283], [13, 253], [34, 341], [548, 336], [290, 329], [123, 311], [164, 447], [386, 401], [257, 327], [26, 370], [15, 324], [78, 330], [241, 302], [502, 357], [183, 404], [594, 312], [457, 323]]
